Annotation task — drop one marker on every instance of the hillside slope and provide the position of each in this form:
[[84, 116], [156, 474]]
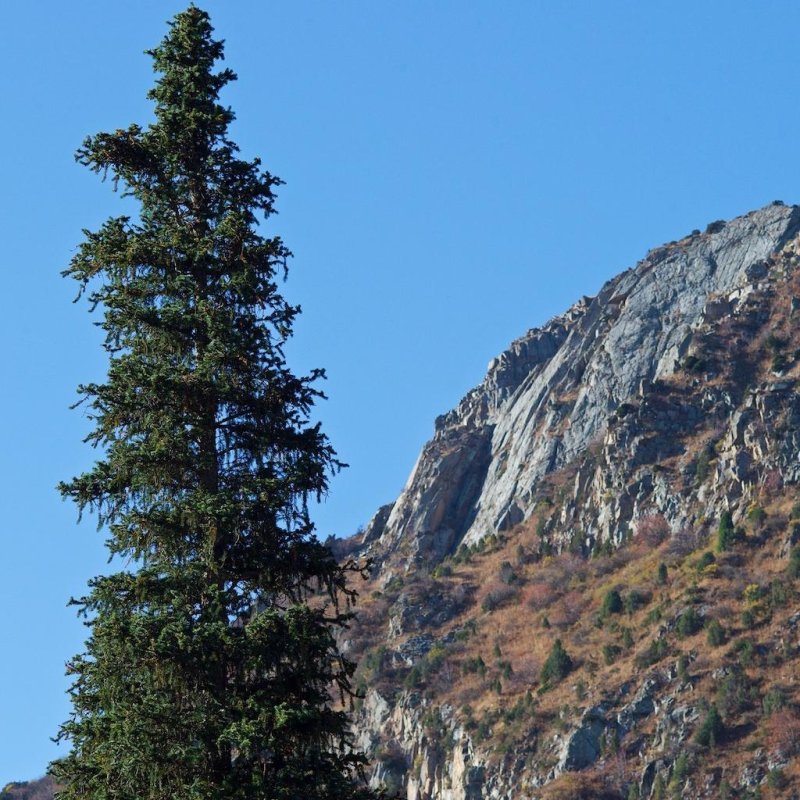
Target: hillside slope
[[623, 482]]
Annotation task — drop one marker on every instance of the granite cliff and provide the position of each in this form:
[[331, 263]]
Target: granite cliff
[[555, 390], [602, 452]]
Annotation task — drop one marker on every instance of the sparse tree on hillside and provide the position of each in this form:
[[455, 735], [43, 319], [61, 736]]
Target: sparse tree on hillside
[[612, 603], [711, 730], [725, 532], [557, 665], [210, 670]]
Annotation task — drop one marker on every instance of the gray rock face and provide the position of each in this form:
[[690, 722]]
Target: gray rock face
[[552, 393], [642, 705], [583, 745], [378, 522], [674, 725], [412, 763], [590, 392]]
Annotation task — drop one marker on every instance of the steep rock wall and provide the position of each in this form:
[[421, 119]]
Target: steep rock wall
[[547, 398], [671, 395]]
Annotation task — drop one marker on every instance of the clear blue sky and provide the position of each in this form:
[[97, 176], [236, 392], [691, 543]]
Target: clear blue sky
[[457, 172]]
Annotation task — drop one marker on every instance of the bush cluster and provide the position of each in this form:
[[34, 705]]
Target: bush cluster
[[688, 623], [657, 650], [715, 633]]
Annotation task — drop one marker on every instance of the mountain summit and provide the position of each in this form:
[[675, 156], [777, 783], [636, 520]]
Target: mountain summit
[[545, 399], [621, 480]]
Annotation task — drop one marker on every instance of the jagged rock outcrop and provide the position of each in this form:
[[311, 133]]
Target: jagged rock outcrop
[[424, 751], [556, 390], [583, 745], [671, 396]]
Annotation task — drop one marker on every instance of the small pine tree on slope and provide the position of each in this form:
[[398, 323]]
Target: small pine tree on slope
[[207, 673]]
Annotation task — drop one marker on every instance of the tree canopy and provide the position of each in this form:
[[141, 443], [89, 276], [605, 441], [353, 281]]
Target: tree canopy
[[211, 669]]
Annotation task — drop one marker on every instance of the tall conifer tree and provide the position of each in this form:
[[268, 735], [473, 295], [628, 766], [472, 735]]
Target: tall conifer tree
[[210, 672]]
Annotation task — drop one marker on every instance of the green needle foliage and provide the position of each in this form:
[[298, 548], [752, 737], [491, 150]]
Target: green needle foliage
[[711, 730], [725, 532], [211, 670], [557, 665]]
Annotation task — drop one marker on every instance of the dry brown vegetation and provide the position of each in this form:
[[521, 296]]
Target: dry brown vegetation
[[561, 596], [510, 602]]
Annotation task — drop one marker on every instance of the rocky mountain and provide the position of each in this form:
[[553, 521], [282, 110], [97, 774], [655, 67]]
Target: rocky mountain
[[590, 585], [647, 430], [41, 789], [545, 399]]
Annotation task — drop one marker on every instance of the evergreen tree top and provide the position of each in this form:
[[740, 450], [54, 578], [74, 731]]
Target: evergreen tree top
[[212, 665]]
